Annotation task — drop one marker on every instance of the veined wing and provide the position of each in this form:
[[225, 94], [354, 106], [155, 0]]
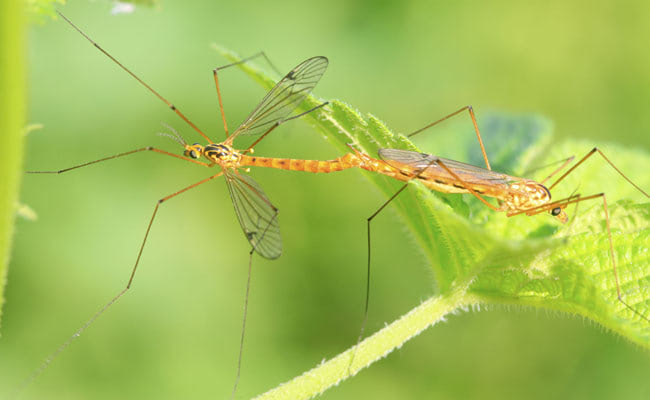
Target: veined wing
[[285, 96], [257, 216], [426, 163]]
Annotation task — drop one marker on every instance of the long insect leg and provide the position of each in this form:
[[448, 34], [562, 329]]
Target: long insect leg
[[164, 100], [367, 299], [244, 318], [577, 199], [563, 203], [255, 192], [368, 224], [46, 363], [564, 163], [282, 121], [215, 72], [464, 184], [583, 159], [243, 60], [60, 171], [478, 132]]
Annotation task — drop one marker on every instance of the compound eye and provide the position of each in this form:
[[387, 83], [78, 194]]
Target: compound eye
[[194, 154], [556, 211]]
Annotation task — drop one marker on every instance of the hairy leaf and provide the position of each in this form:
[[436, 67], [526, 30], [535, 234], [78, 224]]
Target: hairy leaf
[[480, 256]]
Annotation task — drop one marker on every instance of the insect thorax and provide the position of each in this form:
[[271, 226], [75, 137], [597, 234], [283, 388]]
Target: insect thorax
[[526, 194], [222, 154]]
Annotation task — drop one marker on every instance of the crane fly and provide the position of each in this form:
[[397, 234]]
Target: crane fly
[[514, 195], [257, 215]]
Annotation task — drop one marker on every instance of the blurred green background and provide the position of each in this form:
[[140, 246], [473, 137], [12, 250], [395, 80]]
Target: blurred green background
[[176, 335]]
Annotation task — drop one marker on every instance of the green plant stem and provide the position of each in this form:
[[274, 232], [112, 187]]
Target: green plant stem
[[379, 345], [529, 262], [12, 122]]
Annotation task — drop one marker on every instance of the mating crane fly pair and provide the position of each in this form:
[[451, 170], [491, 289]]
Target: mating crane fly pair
[[258, 217]]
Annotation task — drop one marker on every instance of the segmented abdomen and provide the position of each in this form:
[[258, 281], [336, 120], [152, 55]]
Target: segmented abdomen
[[316, 166]]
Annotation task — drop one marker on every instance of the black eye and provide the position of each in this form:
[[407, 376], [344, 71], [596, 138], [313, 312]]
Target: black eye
[[556, 211], [193, 154]]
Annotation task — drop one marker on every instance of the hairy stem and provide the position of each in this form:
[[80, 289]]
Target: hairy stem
[[375, 347]]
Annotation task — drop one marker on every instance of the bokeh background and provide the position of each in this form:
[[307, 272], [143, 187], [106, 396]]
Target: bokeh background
[[584, 65]]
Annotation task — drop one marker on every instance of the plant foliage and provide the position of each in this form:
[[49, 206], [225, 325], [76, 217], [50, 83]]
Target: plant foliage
[[482, 257]]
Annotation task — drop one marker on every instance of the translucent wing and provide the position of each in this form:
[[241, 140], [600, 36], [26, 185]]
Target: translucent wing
[[257, 216], [426, 163], [285, 96]]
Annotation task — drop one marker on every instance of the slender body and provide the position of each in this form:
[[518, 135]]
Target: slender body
[[314, 166], [448, 176], [514, 193], [257, 216]]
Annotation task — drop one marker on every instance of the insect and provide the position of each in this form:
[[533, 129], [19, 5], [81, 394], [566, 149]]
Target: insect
[[257, 216], [514, 195]]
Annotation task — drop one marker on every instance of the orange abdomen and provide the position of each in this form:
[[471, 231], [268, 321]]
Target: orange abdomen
[[338, 164]]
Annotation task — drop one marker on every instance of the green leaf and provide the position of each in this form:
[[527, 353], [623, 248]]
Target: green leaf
[[12, 123], [479, 256]]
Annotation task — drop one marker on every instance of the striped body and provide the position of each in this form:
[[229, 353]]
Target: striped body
[[349, 160], [450, 176], [514, 193], [315, 166]]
